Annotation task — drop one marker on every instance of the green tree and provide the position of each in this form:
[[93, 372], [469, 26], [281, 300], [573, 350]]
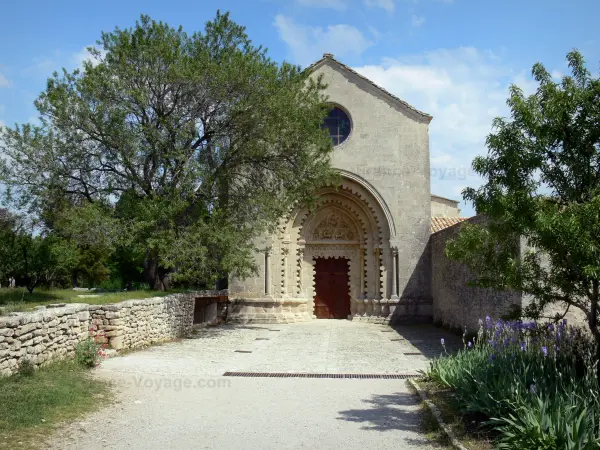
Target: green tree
[[44, 260], [9, 226], [542, 185], [91, 230], [191, 139]]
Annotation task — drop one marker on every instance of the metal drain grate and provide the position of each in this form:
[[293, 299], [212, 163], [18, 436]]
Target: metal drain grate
[[398, 339], [362, 376], [261, 339], [413, 353], [243, 351], [386, 331], [274, 330]]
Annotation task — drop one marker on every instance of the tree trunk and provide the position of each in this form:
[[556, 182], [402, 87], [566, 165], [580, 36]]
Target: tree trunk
[[151, 269], [155, 275], [74, 281]]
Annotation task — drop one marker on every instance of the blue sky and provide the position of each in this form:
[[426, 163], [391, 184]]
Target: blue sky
[[453, 59]]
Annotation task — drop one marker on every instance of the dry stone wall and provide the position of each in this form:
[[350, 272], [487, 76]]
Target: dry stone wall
[[52, 333]]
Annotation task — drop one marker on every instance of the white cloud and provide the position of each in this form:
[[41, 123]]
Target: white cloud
[[4, 82], [526, 83], [417, 21], [441, 159], [463, 89], [34, 120], [84, 55], [388, 5], [46, 65], [339, 5], [307, 43]]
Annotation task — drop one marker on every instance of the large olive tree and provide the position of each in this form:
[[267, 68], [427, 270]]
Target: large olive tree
[[194, 143]]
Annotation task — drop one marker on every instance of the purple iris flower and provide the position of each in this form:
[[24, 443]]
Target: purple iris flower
[[532, 388], [545, 350], [523, 345], [469, 344], [443, 342]]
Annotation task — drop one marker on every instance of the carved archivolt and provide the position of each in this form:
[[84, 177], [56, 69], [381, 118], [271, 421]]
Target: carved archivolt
[[347, 218], [355, 197]]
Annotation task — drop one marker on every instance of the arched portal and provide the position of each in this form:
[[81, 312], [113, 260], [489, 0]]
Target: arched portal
[[350, 223]]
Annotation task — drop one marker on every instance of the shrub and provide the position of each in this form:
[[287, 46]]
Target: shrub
[[535, 382], [550, 424], [141, 286], [26, 367], [89, 353], [112, 284]]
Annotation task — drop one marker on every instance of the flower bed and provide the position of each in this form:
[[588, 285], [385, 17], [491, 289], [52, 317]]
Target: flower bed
[[535, 383]]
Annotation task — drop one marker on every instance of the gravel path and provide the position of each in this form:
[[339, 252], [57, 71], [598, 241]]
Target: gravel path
[[174, 395]]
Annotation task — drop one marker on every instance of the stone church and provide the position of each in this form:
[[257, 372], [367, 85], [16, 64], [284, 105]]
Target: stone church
[[363, 253]]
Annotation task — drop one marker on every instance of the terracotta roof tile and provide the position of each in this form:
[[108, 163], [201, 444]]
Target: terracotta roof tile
[[439, 223]]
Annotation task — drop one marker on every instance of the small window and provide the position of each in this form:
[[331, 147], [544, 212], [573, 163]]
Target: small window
[[337, 123]]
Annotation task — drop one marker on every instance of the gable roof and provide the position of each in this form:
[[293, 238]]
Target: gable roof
[[440, 223], [328, 57]]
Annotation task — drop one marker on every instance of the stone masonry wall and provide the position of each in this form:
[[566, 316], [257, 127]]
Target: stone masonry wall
[[456, 305], [444, 207], [53, 332]]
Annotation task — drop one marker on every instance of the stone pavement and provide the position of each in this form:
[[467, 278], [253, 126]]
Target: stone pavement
[[174, 395]]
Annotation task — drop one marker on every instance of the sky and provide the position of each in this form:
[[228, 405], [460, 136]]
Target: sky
[[453, 59]]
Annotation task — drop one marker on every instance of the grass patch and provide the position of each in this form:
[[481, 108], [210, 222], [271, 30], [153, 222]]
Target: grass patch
[[465, 428], [32, 406], [18, 299]]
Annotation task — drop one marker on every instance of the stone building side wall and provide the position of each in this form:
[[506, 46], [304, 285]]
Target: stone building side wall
[[443, 207], [574, 316], [53, 333], [456, 305]]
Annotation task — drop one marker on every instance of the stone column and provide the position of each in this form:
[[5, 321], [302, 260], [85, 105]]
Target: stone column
[[376, 308], [394, 272], [385, 311], [360, 301], [268, 252], [377, 253], [361, 265], [300, 264], [284, 284]]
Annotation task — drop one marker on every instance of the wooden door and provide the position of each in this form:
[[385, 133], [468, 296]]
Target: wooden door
[[332, 300]]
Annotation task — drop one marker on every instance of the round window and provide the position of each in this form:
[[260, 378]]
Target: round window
[[337, 124]]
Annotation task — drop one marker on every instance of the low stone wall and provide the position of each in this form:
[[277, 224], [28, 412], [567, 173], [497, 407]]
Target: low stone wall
[[456, 305], [268, 310], [53, 332]]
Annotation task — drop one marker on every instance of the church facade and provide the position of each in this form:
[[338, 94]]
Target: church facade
[[362, 253]]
